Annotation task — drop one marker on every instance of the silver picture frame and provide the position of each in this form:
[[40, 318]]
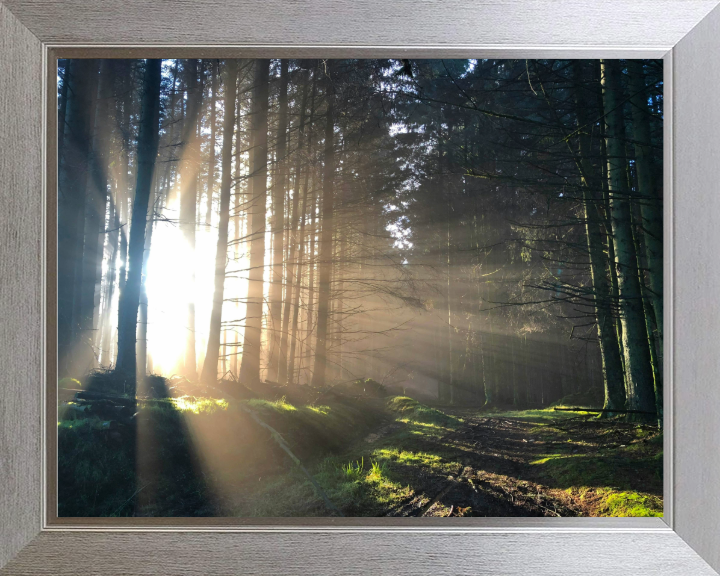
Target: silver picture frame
[[685, 33]]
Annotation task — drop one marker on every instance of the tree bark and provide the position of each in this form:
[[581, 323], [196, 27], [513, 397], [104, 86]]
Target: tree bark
[[639, 373], [298, 278], [293, 240], [146, 156], [143, 363], [650, 192], [211, 165], [278, 225], [610, 351], [189, 169], [325, 255], [210, 366], [82, 80], [250, 365]]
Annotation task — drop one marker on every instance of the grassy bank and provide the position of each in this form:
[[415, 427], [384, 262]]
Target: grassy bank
[[371, 456], [609, 467], [186, 456]]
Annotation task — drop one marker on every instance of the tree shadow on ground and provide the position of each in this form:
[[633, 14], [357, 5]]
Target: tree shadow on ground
[[120, 455]]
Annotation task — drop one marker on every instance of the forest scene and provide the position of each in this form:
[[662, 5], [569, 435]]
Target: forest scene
[[378, 287]]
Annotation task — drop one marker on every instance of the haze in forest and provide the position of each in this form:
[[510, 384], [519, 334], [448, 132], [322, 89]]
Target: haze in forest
[[482, 233]]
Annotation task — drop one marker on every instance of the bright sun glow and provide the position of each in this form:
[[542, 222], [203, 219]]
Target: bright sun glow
[[171, 287]]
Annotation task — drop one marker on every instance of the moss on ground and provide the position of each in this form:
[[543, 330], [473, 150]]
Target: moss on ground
[[411, 410], [539, 416], [201, 443], [631, 504]]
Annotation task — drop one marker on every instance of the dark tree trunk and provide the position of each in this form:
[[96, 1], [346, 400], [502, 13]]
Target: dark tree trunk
[[278, 224], [189, 168], [293, 240], [82, 80], [210, 366], [325, 255], [640, 380], [610, 351], [250, 366], [650, 192], [95, 215], [211, 164], [146, 156], [298, 278]]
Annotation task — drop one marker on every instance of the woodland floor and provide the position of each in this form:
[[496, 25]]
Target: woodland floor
[[528, 463], [370, 456]]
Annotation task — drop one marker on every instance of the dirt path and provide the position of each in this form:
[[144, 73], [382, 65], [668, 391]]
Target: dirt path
[[491, 457], [420, 461], [494, 474]]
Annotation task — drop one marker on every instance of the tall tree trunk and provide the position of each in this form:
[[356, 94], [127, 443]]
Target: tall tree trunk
[[125, 193], [614, 382], [250, 365], [62, 104], [106, 324], [310, 328], [211, 162], [278, 225], [82, 80], [650, 192], [325, 255], [189, 168], [143, 364], [237, 231], [293, 241], [298, 278], [146, 156], [451, 383], [210, 366], [640, 381], [340, 323]]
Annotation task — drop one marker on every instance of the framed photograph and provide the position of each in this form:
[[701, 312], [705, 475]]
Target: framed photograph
[[430, 293]]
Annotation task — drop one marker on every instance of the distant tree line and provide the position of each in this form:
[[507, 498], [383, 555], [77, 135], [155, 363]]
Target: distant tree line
[[489, 227]]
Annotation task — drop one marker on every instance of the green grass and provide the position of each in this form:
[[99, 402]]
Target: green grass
[[375, 480], [98, 459], [632, 504], [353, 487], [620, 468], [280, 405], [625, 478], [354, 471], [539, 416], [198, 405], [100, 471], [410, 410]]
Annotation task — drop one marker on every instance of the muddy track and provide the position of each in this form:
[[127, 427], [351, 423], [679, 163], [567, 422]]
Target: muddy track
[[494, 454], [483, 466], [495, 475]]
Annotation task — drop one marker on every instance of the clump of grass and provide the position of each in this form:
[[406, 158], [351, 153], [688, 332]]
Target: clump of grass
[[353, 471], [279, 405], [413, 411], [408, 463], [627, 478], [377, 471], [322, 410], [349, 486], [198, 405], [538, 416], [631, 504], [99, 470], [406, 457]]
